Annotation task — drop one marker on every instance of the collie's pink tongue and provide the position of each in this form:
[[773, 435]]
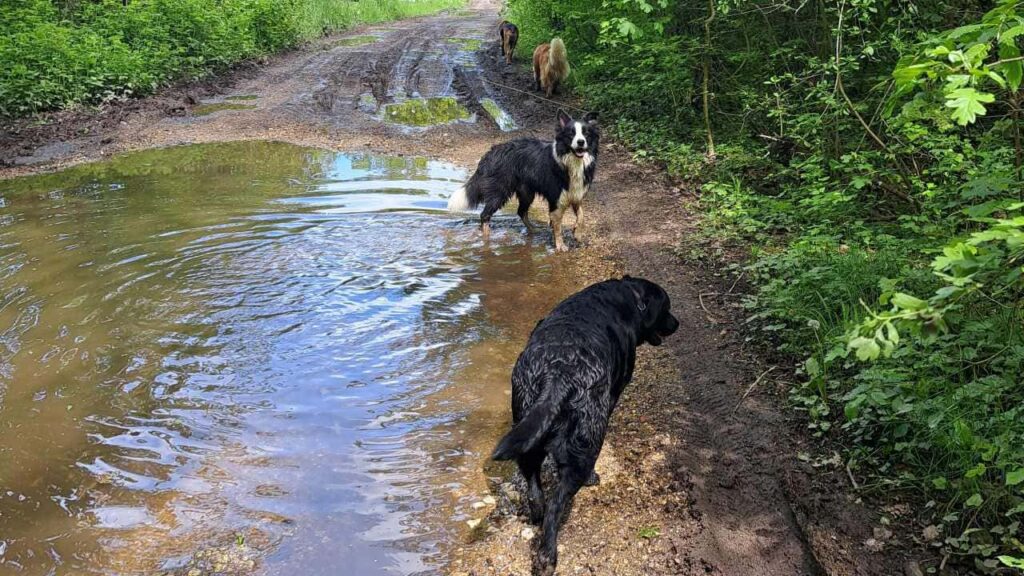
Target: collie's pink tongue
[[579, 154]]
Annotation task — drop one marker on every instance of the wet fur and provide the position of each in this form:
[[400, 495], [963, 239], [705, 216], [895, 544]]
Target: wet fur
[[565, 386], [526, 167], [550, 66], [509, 35]]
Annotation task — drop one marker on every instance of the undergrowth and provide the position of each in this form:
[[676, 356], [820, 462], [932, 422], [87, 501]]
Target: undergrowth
[[867, 156]]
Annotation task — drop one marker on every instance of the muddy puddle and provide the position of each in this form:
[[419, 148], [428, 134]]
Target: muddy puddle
[[426, 112], [287, 356]]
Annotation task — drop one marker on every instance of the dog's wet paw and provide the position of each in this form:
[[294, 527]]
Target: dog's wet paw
[[542, 565]]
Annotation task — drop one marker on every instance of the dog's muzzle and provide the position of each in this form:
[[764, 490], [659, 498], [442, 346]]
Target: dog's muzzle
[[669, 328]]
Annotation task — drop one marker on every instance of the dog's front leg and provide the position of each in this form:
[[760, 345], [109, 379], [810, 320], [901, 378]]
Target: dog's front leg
[[577, 227], [556, 228]]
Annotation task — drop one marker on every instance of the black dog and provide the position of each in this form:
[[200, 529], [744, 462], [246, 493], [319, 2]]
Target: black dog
[[561, 171], [509, 35], [565, 386]]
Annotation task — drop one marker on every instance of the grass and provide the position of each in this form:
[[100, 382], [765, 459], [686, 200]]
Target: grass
[[205, 109], [426, 112]]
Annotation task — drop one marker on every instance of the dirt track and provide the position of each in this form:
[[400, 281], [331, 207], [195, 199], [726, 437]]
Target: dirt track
[[698, 478]]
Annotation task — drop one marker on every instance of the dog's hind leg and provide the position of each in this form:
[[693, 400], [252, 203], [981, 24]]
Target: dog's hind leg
[[491, 207], [570, 478], [525, 200], [530, 466]]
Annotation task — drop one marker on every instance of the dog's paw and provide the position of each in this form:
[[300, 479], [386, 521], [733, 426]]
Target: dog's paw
[[542, 565], [593, 480], [536, 517]]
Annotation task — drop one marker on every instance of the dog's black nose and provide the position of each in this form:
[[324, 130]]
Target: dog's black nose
[[673, 324]]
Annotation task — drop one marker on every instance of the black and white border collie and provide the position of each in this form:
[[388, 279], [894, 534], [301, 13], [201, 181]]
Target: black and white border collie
[[561, 171]]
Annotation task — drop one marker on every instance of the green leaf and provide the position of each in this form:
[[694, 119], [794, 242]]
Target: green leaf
[[867, 348], [968, 104], [851, 410], [940, 483], [908, 302], [976, 471], [974, 501], [1012, 562], [1015, 477], [812, 367], [891, 334], [1012, 70]]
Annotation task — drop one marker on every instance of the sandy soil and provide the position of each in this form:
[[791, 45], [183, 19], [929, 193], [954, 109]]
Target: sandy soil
[[700, 474]]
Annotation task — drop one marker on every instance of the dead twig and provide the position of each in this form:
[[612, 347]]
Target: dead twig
[[711, 316], [736, 281], [751, 389], [849, 473]]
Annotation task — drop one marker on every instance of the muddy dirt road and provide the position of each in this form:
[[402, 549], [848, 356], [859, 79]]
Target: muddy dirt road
[[700, 474], [343, 92]]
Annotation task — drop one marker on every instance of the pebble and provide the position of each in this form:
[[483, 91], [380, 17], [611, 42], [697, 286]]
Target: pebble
[[489, 500], [478, 505], [473, 523], [527, 533]]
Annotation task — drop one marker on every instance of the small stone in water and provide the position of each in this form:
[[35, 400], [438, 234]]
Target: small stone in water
[[489, 500], [473, 523]]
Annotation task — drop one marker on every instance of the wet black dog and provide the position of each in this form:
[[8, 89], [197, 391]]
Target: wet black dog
[[560, 171], [565, 386]]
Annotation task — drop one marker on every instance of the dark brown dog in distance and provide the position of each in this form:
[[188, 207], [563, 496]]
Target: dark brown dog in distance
[[509, 34], [550, 66]]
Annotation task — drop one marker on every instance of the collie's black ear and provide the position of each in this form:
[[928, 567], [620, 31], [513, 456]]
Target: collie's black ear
[[563, 118], [590, 118]]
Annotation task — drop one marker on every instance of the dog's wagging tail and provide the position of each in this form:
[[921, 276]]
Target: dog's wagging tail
[[533, 428]]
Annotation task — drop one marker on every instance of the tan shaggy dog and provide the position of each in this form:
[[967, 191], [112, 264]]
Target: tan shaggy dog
[[550, 65]]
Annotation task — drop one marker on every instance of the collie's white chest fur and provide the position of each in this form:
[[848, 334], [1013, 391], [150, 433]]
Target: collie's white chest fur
[[574, 166]]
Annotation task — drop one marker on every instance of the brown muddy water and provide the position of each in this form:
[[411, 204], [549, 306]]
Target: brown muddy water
[[294, 350]]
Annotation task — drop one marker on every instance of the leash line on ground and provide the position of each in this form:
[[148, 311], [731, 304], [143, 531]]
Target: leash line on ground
[[559, 104]]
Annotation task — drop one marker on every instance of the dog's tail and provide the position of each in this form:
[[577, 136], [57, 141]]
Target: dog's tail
[[558, 60], [458, 201], [467, 197], [525, 435]]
